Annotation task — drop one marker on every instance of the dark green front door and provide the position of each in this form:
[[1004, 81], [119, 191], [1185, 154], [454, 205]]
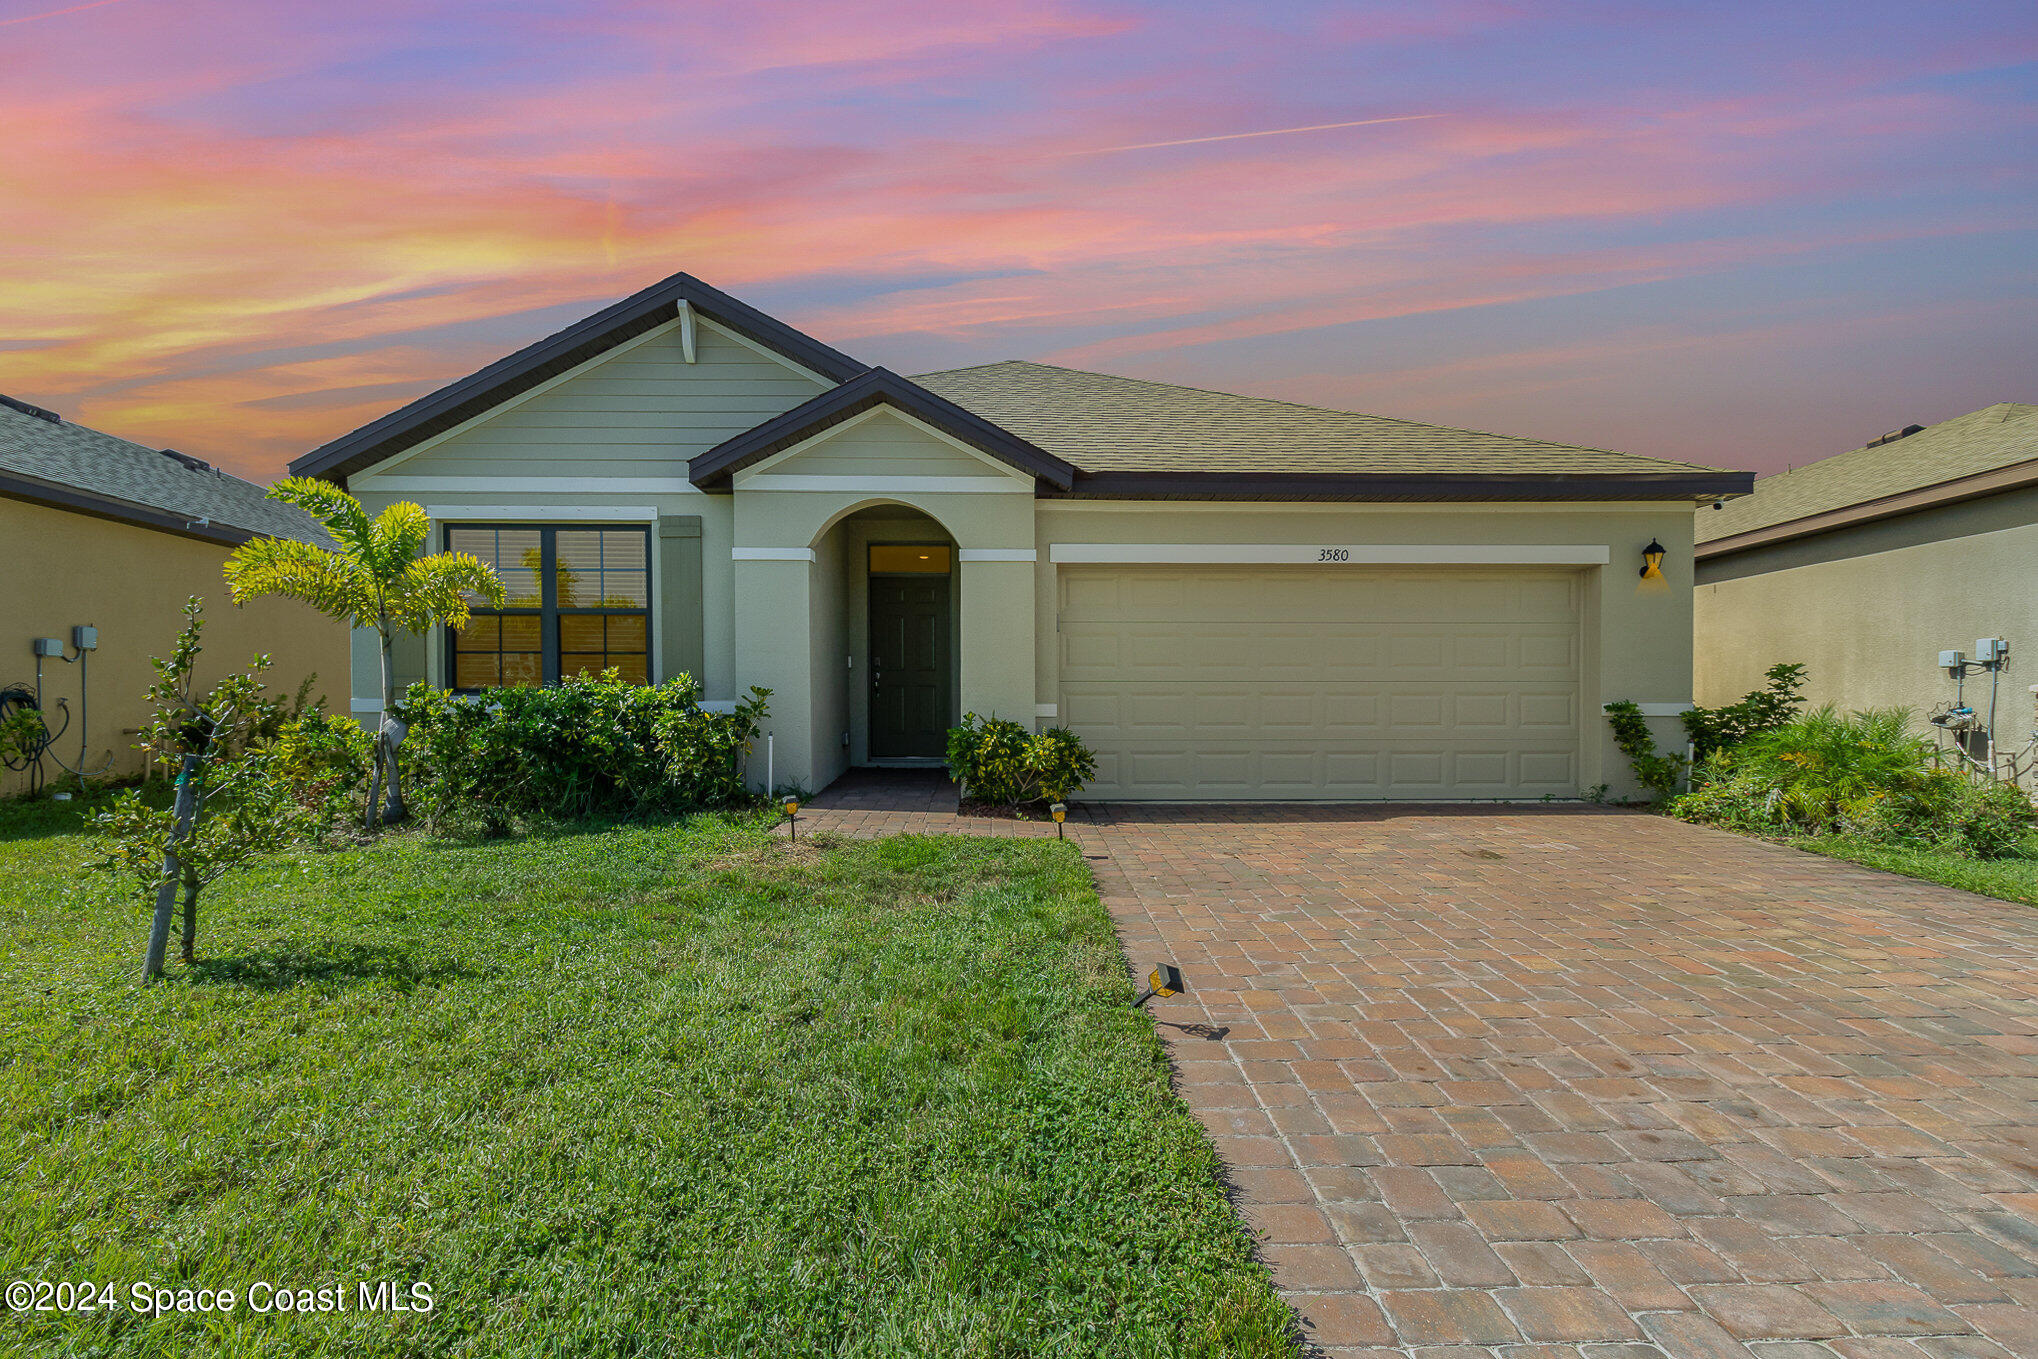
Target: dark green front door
[[908, 666]]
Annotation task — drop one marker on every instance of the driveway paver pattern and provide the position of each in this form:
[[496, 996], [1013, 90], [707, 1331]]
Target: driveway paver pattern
[[1551, 1082]]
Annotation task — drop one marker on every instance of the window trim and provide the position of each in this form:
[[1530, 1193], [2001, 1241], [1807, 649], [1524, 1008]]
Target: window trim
[[550, 655]]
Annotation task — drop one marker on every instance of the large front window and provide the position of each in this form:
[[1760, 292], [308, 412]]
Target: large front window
[[575, 601]]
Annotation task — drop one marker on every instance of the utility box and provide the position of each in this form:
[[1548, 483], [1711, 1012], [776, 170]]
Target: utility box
[[1952, 660], [85, 637], [49, 646], [1991, 650]]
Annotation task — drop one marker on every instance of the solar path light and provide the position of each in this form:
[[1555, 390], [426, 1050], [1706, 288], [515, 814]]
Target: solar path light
[[1165, 980]]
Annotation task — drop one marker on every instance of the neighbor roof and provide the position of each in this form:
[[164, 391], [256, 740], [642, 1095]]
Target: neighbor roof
[[1940, 455], [55, 462], [556, 353], [1108, 424]]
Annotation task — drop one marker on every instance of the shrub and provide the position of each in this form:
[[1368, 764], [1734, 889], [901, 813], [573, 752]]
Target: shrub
[[583, 746], [1657, 772], [1060, 763], [323, 762], [1715, 729], [1864, 774], [1000, 762]]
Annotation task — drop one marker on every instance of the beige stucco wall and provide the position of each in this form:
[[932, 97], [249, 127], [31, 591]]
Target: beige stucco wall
[[131, 583], [1637, 635], [1868, 610]]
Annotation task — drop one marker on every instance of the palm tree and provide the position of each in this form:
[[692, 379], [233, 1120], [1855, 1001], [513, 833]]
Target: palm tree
[[375, 580]]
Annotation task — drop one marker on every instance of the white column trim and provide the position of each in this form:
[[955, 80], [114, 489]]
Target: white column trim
[[1046, 710], [366, 705], [997, 554], [539, 514], [772, 554], [1665, 709], [1333, 554]]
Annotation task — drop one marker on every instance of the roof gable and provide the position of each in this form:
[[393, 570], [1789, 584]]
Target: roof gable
[[714, 469], [478, 392]]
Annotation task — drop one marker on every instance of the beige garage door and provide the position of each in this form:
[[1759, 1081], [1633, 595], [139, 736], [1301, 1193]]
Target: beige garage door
[[1323, 682]]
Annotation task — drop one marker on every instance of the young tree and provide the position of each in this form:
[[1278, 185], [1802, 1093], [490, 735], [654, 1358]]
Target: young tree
[[375, 580], [228, 810]]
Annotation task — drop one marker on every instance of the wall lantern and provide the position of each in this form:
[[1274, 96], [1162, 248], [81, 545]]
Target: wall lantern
[[1652, 561]]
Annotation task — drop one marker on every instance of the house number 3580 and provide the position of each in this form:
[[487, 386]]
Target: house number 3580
[[1334, 554]]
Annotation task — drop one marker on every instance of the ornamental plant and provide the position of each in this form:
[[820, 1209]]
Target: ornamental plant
[[1001, 763], [231, 810], [582, 747], [375, 579], [1863, 774]]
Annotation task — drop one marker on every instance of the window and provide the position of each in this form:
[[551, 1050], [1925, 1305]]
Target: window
[[909, 559], [575, 601]]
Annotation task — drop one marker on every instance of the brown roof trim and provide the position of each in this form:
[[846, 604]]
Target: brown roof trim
[[120, 511], [1973, 487], [1364, 486], [489, 387]]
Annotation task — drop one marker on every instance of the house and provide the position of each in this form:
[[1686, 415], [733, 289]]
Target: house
[[114, 536], [1227, 597], [1865, 566]]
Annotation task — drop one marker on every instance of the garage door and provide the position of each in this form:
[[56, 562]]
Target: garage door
[[1310, 682]]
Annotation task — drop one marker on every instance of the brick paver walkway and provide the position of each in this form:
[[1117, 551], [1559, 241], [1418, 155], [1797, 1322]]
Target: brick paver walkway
[[1589, 1084]]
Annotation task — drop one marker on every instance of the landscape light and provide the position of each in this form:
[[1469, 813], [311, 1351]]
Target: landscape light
[[792, 817], [1059, 811], [1164, 980]]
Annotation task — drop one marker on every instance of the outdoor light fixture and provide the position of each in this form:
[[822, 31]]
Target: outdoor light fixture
[[1060, 812], [1164, 980], [1652, 561], [792, 817]]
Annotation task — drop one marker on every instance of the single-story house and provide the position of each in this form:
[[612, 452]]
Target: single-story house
[[1866, 565], [1226, 597], [114, 536]]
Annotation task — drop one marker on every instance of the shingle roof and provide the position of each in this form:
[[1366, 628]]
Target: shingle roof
[[1979, 441], [68, 457], [1103, 423]]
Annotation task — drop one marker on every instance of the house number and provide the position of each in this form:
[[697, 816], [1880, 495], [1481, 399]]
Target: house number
[[1334, 554]]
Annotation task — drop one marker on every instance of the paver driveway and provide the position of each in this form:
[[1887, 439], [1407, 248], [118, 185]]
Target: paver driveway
[[1583, 1083]]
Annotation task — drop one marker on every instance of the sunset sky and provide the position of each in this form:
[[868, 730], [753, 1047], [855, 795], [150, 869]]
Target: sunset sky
[[1740, 233]]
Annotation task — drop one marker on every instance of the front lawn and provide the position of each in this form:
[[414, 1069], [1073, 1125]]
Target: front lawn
[[629, 1090], [2010, 879]]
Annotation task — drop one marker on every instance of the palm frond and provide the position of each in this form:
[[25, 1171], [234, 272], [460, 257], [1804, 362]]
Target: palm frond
[[333, 584], [396, 537], [339, 512], [434, 590]]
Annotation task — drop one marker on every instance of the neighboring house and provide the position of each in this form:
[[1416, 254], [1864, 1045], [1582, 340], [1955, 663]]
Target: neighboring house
[[1867, 565], [1227, 597], [111, 535]]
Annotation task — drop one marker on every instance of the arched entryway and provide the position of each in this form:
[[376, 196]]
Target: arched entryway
[[888, 611]]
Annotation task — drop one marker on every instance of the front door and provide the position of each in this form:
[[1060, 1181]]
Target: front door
[[908, 667]]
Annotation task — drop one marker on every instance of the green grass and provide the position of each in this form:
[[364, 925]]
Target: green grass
[[626, 1090], [2010, 879]]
